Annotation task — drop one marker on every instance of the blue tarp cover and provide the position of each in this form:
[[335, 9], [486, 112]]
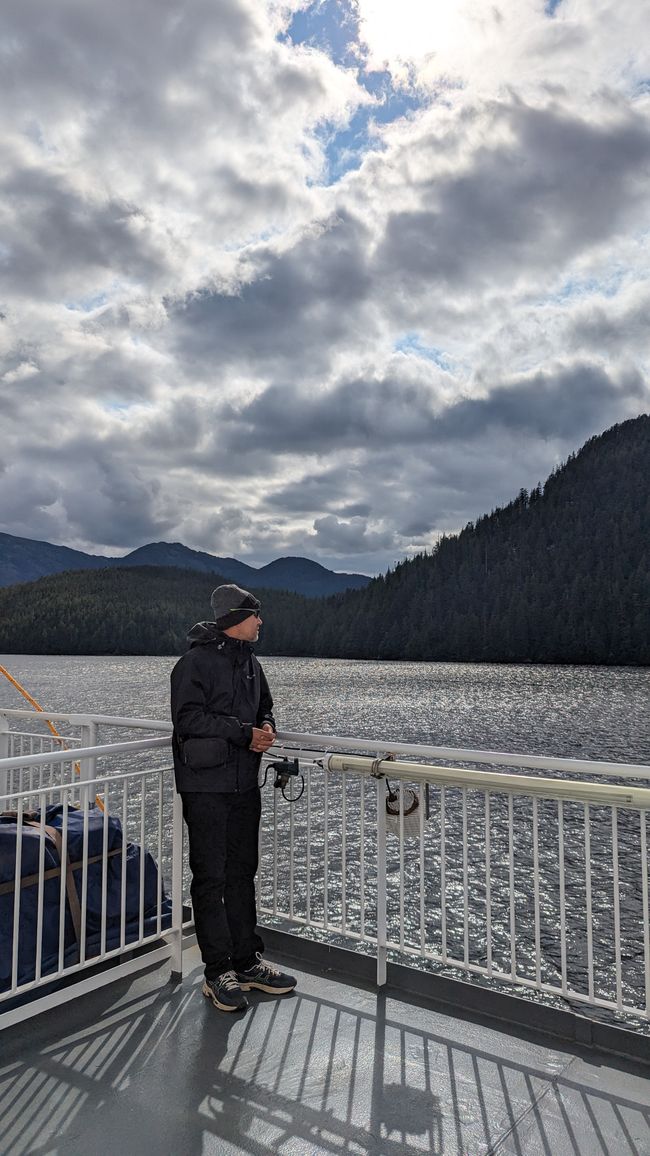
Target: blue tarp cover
[[52, 891]]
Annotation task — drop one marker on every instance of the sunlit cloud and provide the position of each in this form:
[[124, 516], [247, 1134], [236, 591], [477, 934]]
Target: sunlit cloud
[[410, 32]]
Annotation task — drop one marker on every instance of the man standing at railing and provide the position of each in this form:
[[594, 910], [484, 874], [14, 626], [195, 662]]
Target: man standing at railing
[[222, 712]]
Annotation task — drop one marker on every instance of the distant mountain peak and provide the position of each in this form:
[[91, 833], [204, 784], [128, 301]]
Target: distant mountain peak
[[24, 560]]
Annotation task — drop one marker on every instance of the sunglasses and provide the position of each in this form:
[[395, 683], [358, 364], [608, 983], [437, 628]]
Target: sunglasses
[[245, 610]]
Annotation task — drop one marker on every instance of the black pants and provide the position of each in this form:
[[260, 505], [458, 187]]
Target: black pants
[[223, 832]]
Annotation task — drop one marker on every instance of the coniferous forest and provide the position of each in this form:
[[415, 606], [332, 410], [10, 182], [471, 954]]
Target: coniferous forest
[[561, 574]]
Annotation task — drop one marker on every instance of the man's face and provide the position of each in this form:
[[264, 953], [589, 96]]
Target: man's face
[[248, 630]]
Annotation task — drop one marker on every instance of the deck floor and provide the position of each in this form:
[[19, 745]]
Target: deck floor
[[149, 1066]]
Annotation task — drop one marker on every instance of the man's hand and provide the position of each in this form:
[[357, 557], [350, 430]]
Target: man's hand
[[263, 738]]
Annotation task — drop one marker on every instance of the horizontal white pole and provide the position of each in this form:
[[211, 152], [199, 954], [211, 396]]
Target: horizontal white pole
[[77, 784], [332, 743], [73, 756], [599, 793], [50, 738], [84, 719]]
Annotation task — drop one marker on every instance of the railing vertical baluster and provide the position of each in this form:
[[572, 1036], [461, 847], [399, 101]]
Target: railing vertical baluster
[[47, 778], [617, 909], [381, 882], [41, 886], [291, 859], [465, 882], [588, 903], [538, 935], [84, 879], [63, 881], [17, 892], [308, 856], [443, 872], [422, 798], [177, 884], [362, 858], [326, 902], [511, 879], [125, 821], [5, 753], [560, 837], [645, 899], [401, 863], [488, 883], [143, 856], [344, 790], [159, 855], [104, 867]]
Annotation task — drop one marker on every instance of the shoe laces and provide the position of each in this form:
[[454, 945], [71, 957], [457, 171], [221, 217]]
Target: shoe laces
[[228, 980], [269, 968]]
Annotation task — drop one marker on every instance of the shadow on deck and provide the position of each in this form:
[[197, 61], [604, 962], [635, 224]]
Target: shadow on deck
[[149, 1066]]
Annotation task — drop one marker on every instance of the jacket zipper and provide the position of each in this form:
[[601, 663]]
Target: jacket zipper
[[232, 711]]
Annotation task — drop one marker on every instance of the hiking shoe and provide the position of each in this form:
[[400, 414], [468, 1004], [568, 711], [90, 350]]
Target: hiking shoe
[[266, 977], [225, 992]]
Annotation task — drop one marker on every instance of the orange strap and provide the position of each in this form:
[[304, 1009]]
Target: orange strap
[[54, 731]]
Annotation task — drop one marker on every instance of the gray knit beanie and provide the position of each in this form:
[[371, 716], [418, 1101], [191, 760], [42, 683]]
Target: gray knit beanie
[[231, 605]]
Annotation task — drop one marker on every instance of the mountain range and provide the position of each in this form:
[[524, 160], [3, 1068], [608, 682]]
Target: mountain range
[[23, 560], [561, 575]]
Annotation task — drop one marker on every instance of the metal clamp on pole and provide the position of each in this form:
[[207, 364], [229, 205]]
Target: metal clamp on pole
[[375, 771]]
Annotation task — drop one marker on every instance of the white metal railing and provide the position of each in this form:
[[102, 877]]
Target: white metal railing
[[82, 734], [94, 859], [540, 883], [27, 743], [537, 882], [20, 744]]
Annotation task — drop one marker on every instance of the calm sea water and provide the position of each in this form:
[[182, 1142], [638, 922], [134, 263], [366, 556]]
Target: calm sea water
[[588, 712]]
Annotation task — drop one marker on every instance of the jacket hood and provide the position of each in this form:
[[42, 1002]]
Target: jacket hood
[[204, 632]]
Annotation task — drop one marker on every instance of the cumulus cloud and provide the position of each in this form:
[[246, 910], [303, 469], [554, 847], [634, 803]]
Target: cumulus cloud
[[352, 537], [333, 294], [529, 201]]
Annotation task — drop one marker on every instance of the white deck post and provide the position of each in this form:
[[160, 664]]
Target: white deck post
[[87, 766], [177, 886], [4, 754], [381, 882]]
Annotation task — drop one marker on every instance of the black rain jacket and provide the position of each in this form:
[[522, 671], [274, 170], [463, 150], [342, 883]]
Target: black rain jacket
[[219, 693]]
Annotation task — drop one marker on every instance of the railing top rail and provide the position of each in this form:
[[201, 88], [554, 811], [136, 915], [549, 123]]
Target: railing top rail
[[77, 719], [320, 743], [77, 753], [333, 743], [637, 798]]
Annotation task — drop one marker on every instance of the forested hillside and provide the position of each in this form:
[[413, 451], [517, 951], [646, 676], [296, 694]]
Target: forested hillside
[[561, 574], [135, 610]]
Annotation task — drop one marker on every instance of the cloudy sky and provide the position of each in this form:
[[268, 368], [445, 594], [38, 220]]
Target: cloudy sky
[[324, 278]]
